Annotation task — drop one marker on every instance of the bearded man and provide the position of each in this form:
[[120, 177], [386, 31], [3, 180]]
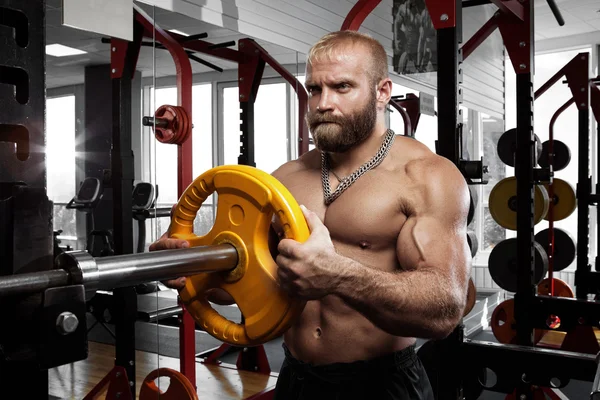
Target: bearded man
[[387, 260]]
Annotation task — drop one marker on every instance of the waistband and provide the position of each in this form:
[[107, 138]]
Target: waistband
[[337, 372]]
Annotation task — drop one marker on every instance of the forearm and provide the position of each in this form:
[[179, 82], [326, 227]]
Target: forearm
[[421, 303]]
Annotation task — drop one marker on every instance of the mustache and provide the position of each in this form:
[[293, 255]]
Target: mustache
[[318, 118]]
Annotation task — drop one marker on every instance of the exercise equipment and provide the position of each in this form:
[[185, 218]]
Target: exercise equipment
[[561, 152], [503, 324], [471, 297], [503, 264], [503, 321], [507, 145], [248, 199], [179, 388], [503, 203], [561, 288], [87, 198], [171, 124], [235, 252], [563, 198], [473, 242], [473, 201], [565, 249], [143, 196]]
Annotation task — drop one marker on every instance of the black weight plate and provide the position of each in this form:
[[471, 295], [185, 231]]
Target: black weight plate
[[564, 247], [507, 145], [473, 242], [502, 264], [562, 155], [474, 199]]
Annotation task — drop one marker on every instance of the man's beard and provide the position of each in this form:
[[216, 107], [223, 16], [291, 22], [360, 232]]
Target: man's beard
[[342, 133]]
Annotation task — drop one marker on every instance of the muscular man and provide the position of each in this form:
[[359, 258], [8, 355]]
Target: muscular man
[[387, 260]]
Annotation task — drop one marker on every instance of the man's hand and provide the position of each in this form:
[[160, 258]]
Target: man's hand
[[308, 269], [167, 243]]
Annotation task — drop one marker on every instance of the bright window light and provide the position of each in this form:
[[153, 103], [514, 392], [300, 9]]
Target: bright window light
[[178, 32], [58, 50]]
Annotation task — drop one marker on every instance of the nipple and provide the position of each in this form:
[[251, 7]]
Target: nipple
[[364, 244]]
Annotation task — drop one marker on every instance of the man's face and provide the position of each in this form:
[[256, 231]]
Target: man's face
[[342, 107]]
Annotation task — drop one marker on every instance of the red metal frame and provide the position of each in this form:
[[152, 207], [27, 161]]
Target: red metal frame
[[183, 67], [117, 382], [511, 8], [250, 75], [442, 12], [479, 37], [551, 193], [358, 14], [409, 110], [512, 18], [251, 61], [577, 81]]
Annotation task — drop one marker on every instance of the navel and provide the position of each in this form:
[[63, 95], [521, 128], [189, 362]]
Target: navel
[[318, 333]]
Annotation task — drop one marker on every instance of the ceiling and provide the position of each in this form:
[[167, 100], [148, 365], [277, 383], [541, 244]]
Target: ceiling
[[64, 71], [581, 17]]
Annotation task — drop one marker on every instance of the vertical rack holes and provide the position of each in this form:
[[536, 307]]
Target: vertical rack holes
[[19, 22]]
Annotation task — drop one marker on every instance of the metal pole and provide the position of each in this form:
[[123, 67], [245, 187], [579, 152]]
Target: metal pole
[[122, 271]]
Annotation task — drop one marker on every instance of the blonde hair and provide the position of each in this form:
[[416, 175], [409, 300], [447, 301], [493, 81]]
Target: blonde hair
[[326, 47]]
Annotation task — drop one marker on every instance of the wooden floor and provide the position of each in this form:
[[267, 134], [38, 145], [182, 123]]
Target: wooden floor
[[74, 381]]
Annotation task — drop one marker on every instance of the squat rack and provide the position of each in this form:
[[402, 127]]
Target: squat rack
[[529, 365], [251, 59]]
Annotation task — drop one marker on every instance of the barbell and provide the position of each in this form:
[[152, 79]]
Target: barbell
[[233, 256]]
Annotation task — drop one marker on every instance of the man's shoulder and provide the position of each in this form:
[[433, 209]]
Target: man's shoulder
[[304, 163], [443, 185]]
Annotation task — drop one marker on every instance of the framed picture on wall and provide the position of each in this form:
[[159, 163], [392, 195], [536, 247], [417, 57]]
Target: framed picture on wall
[[415, 47]]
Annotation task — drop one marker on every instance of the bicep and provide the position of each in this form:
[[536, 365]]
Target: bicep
[[434, 244]]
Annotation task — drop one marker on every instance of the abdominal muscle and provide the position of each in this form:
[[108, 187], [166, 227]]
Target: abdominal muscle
[[330, 331]]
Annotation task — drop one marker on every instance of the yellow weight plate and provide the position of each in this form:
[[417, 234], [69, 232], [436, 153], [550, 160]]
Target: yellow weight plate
[[503, 203], [248, 198], [565, 200]]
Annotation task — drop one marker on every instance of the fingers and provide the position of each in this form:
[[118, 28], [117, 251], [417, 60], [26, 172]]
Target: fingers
[[313, 220], [178, 283], [169, 244], [288, 248]]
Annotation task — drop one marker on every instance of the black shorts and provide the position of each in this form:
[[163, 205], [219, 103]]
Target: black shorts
[[399, 375]]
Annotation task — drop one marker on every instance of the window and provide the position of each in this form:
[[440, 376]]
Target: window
[[270, 126], [60, 161]]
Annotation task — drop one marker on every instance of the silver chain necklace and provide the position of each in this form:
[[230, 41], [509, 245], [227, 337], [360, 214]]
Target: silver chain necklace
[[350, 179]]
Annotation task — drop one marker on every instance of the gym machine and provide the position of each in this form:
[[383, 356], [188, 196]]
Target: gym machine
[[172, 124], [231, 256], [458, 367]]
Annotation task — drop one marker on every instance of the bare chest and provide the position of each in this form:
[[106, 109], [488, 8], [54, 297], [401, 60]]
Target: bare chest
[[367, 215]]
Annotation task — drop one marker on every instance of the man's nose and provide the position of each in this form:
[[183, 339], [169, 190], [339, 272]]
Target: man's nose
[[325, 101]]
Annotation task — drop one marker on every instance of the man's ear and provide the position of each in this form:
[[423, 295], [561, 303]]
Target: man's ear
[[384, 91]]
